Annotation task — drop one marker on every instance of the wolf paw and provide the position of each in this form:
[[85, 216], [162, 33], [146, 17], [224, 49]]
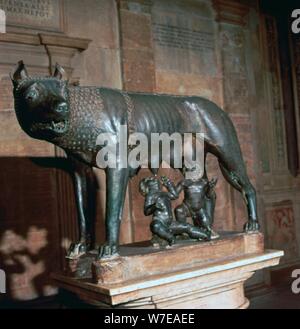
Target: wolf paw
[[77, 249], [108, 251], [252, 226]]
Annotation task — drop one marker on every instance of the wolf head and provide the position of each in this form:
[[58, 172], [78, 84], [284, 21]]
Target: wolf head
[[41, 103]]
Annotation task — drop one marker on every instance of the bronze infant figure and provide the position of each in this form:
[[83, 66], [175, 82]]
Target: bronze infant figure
[[72, 117], [158, 204], [198, 203]]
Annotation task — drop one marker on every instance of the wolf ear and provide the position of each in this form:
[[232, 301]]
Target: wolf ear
[[59, 72], [19, 73]]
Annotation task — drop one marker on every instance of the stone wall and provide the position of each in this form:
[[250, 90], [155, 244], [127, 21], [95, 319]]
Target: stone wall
[[225, 51]]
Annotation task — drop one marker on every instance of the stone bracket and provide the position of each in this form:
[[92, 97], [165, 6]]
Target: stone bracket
[[41, 50]]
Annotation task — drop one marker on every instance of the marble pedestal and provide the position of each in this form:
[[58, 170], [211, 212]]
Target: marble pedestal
[[189, 275]]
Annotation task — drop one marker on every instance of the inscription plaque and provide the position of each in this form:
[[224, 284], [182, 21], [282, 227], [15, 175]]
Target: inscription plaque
[[34, 14], [182, 38], [184, 46]]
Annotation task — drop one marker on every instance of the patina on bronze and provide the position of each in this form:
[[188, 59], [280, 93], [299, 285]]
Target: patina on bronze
[[72, 117]]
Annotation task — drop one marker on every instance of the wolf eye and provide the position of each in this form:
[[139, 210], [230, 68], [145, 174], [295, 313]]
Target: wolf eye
[[32, 95]]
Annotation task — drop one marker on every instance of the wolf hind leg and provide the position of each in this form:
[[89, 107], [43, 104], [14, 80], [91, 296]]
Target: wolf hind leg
[[236, 175]]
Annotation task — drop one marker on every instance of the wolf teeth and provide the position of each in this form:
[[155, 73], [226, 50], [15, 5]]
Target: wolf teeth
[[56, 126], [59, 126]]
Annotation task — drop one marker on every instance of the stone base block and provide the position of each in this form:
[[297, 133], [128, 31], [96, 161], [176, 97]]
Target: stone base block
[[189, 275]]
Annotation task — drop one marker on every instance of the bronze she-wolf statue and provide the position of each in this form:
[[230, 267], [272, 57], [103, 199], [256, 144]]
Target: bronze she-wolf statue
[[72, 117]]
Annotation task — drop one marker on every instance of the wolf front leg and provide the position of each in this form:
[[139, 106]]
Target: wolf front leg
[[116, 186], [83, 181]]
